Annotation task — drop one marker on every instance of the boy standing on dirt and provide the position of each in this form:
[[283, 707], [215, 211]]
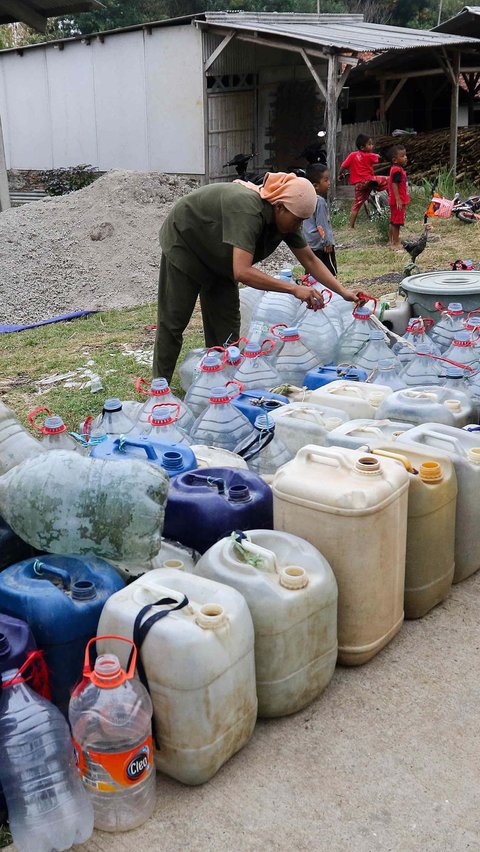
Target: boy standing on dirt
[[317, 230], [360, 165], [398, 196]]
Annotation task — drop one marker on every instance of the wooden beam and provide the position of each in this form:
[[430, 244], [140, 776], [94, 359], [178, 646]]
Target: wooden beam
[[432, 72], [342, 80], [22, 12], [398, 88], [331, 117], [218, 50], [4, 193], [314, 73], [454, 113], [293, 48]]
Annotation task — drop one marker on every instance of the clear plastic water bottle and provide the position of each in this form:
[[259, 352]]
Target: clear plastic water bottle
[[163, 425], [256, 370], [293, 359], [188, 369], [463, 351], [249, 298], [354, 336], [159, 391], [375, 349], [272, 309], [319, 333], [472, 324], [415, 335], [211, 374], [111, 718], [48, 808], [268, 452], [221, 424], [423, 369], [388, 374], [112, 421], [54, 431], [452, 320], [454, 377]]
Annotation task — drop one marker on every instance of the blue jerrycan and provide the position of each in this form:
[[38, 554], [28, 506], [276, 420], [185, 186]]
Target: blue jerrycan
[[320, 376], [60, 598], [208, 504], [174, 459], [254, 402]]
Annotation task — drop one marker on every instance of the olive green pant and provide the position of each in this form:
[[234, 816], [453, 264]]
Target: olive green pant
[[177, 295]]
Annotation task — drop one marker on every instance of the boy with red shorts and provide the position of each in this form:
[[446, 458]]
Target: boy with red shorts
[[360, 164], [398, 196]]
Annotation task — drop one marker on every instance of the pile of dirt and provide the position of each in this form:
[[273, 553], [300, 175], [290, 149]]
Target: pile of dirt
[[92, 249]]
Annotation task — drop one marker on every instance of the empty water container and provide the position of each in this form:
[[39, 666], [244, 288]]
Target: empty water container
[[355, 434], [163, 425], [173, 459], [324, 375], [356, 399], [256, 371], [422, 369], [111, 422], [415, 336], [319, 333], [249, 298], [354, 336], [188, 369], [211, 374], [221, 425], [375, 349], [428, 402], [387, 373], [265, 452], [299, 423], [451, 321], [294, 358], [54, 431], [463, 350], [272, 308], [159, 391]]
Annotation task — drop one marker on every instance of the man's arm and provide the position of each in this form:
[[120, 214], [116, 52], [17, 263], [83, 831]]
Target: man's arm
[[315, 267]]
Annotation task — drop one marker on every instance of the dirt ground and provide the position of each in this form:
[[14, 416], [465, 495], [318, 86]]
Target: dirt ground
[[387, 759]]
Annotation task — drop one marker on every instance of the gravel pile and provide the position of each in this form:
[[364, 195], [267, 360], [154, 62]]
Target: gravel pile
[[92, 249]]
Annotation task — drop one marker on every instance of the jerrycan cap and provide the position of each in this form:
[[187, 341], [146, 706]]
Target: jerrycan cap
[[112, 404], [290, 333], [53, 425], [453, 404], [362, 313], [211, 363], [251, 350], [462, 338], [430, 472], [108, 673], [293, 577]]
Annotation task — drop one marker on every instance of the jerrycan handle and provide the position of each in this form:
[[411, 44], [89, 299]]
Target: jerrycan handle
[[121, 444], [33, 415], [331, 456], [441, 439], [123, 675], [240, 542], [344, 389], [40, 569], [316, 413]]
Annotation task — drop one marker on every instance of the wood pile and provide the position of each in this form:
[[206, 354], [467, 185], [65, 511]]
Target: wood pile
[[429, 153]]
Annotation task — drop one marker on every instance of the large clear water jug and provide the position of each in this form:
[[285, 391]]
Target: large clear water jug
[[221, 424], [265, 452], [249, 298], [54, 432], [452, 320], [158, 390], [271, 309], [463, 350], [365, 433], [422, 369], [355, 335], [112, 421], [432, 498], [198, 659], [188, 369], [375, 349], [387, 372], [463, 448], [319, 331], [472, 324], [293, 358], [428, 402], [110, 715], [256, 370], [353, 507], [291, 593], [299, 423], [163, 425], [211, 374], [48, 808], [16, 444], [415, 336], [455, 377]]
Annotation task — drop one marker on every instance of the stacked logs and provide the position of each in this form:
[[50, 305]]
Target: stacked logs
[[429, 154]]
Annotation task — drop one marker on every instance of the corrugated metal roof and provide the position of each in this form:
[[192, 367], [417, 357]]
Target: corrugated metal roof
[[49, 9], [356, 36], [465, 21]]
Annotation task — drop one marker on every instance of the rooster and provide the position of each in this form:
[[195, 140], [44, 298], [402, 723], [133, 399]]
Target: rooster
[[415, 248]]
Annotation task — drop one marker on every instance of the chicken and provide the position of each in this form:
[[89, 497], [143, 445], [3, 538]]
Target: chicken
[[415, 248]]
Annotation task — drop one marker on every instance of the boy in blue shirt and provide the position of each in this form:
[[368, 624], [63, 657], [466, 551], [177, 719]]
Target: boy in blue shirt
[[317, 230]]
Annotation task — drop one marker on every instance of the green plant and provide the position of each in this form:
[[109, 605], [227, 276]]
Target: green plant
[[61, 181], [382, 222], [338, 216]]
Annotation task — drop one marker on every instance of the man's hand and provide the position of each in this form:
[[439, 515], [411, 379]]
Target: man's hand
[[355, 295], [310, 296]]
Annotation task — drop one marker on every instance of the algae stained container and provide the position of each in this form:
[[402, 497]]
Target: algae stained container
[[353, 507]]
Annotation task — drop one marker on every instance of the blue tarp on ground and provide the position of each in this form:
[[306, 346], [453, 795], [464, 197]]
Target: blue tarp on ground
[[5, 329]]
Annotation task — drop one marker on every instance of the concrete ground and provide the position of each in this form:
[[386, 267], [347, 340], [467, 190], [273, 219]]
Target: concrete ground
[[387, 759]]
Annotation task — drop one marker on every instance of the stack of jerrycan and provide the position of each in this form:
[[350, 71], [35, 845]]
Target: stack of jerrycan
[[355, 399], [53, 430], [210, 503], [321, 376], [273, 308], [355, 434], [432, 500], [211, 374], [292, 597], [196, 648], [428, 402], [415, 336], [16, 444], [300, 423], [353, 507], [221, 425], [293, 359], [451, 321], [319, 331], [251, 403], [60, 598], [463, 449], [256, 371], [158, 391]]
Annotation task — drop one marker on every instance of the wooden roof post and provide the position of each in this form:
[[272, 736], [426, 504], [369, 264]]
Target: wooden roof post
[[454, 113], [331, 117], [4, 193]]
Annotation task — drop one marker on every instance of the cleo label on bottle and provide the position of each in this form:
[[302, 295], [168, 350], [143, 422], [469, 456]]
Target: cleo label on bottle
[[120, 769]]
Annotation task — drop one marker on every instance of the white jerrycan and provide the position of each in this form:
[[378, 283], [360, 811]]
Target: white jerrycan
[[366, 433], [199, 664], [353, 508], [431, 403], [356, 399], [432, 502], [300, 423], [292, 595], [463, 448]]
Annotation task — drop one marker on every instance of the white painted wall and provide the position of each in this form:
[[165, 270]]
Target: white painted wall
[[134, 101]]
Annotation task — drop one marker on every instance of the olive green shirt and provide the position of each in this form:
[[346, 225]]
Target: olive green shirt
[[200, 232]]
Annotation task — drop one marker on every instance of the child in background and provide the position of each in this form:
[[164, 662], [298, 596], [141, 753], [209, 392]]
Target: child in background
[[360, 165], [398, 196], [317, 230]]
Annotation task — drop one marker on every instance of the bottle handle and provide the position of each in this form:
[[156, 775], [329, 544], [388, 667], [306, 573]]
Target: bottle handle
[[129, 673], [139, 386], [175, 405], [275, 334], [239, 389], [33, 415], [271, 343]]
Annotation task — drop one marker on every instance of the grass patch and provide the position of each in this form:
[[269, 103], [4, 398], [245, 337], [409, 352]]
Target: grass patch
[[5, 836]]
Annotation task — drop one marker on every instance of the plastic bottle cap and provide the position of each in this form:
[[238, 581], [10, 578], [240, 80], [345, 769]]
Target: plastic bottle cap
[[474, 455], [233, 354], [453, 404], [431, 471], [53, 425], [454, 372], [174, 563], [83, 590], [362, 313], [462, 338], [293, 577], [290, 334], [455, 308], [473, 322], [108, 671], [211, 363], [219, 395], [159, 387], [263, 421], [251, 350], [172, 460], [210, 616], [368, 465], [112, 404]]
